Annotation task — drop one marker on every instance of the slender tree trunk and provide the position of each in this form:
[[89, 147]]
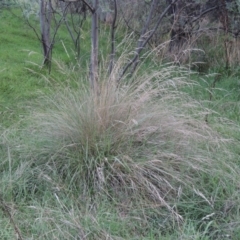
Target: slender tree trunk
[[142, 42], [144, 33], [113, 27], [45, 25], [225, 23], [94, 50]]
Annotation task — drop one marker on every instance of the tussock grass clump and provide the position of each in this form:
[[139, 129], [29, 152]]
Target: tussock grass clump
[[142, 139]]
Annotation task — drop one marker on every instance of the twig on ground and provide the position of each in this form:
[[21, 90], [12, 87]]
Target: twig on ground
[[6, 210]]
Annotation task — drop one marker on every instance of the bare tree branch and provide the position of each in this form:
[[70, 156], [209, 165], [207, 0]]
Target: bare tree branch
[[205, 12], [143, 35], [139, 49], [5, 209], [89, 6], [147, 23], [64, 8], [127, 22]]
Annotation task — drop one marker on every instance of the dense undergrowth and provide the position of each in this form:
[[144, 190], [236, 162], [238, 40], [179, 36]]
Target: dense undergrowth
[[156, 157]]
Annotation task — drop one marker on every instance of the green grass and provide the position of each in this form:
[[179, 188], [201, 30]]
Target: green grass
[[166, 174]]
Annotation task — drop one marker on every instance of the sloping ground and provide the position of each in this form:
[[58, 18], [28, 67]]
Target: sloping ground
[[169, 175], [21, 73]]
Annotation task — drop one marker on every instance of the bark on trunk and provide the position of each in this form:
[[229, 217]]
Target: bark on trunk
[[45, 25]]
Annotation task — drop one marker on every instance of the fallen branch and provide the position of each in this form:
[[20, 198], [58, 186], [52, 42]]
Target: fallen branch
[[6, 210]]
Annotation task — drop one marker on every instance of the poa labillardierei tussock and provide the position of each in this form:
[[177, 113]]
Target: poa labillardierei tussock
[[142, 138]]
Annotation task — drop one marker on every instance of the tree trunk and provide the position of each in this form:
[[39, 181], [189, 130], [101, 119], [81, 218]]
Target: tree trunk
[[113, 27], [94, 51], [45, 25]]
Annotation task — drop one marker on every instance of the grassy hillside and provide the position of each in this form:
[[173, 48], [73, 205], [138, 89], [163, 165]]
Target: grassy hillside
[[154, 158]]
